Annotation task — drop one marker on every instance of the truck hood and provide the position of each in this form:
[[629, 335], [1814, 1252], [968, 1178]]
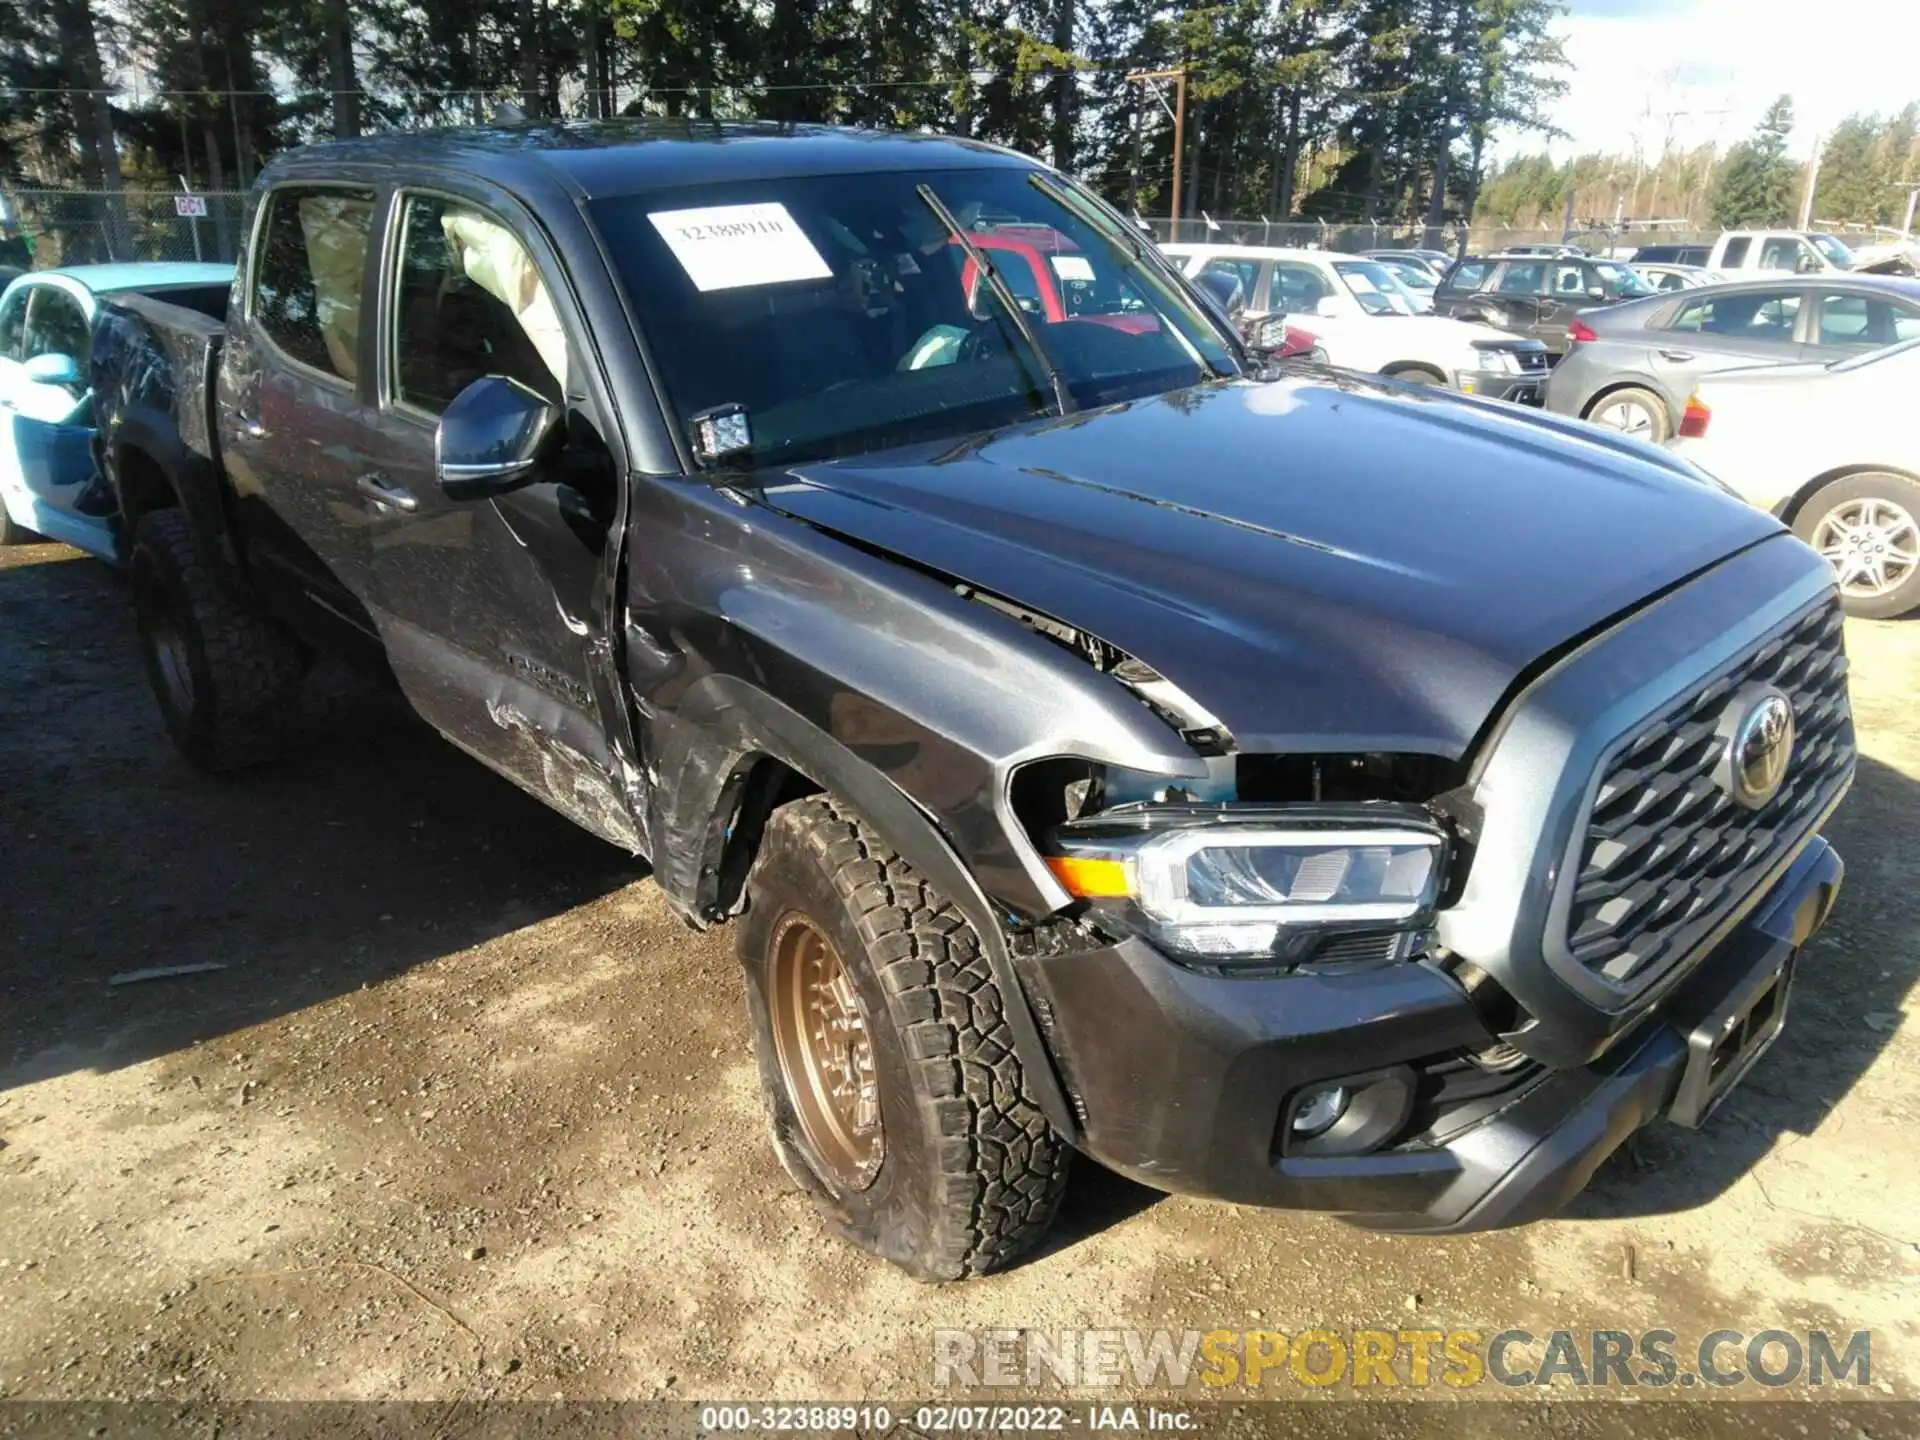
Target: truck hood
[[1325, 564]]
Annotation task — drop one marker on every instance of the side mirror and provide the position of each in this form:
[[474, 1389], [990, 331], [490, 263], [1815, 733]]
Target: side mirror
[[1327, 307], [492, 438], [1596, 292], [1809, 264], [53, 370]]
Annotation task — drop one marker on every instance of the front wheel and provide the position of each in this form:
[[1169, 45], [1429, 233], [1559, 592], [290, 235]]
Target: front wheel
[[12, 532], [1635, 412], [1864, 526], [894, 1093]]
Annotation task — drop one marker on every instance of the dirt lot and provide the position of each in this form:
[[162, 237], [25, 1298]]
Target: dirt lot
[[468, 1114]]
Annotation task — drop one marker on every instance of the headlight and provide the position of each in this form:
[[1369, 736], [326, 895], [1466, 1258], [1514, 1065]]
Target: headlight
[[1258, 883], [1505, 361]]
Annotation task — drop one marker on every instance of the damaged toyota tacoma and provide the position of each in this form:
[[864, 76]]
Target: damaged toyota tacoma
[[1288, 787]]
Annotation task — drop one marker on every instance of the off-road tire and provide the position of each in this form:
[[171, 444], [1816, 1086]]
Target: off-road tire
[[1874, 485], [972, 1173], [244, 668]]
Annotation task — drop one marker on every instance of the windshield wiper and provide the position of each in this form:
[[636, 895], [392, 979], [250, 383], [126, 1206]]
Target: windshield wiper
[[1125, 235], [985, 270]]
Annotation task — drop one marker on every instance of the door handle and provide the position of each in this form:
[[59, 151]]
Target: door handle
[[251, 427], [383, 491], [1678, 357]]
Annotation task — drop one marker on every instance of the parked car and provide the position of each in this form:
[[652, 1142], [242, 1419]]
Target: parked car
[[1562, 250], [1366, 320], [1533, 295], [49, 484], [1255, 786], [1416, 280], [1667, 278], [1434, 262], [1831, 450], [1672, 255], [1747, 254], [1631, 367]]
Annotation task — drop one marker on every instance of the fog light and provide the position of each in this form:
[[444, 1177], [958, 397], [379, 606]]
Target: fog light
[[1316, 1114]]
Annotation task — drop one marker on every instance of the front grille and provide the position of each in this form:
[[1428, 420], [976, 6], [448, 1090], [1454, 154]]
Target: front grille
[[1668, 853], [1533, 360]]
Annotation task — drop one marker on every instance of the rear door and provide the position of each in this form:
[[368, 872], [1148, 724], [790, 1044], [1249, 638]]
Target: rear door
[[1569, 290], [490, 611], [1515, 297], [48, 454], [1714, 330], [293, 420]]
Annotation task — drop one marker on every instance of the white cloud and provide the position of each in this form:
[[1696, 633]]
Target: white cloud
[[1646, 69]]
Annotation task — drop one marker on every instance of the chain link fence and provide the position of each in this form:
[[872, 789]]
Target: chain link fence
[[82, 227], [1368, 235]]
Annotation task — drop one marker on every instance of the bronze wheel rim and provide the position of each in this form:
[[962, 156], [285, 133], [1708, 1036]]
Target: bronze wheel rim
[[825, 1053]]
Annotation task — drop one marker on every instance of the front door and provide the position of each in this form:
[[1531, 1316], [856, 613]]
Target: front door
[[46, 455], [292, 415], [491, 611]]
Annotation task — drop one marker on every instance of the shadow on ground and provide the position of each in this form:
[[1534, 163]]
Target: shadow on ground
[[374, 848]]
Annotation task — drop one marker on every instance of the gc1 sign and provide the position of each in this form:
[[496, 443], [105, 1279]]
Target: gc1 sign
[[190, 206]]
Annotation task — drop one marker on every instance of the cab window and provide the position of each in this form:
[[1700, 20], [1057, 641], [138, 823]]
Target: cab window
[[308, 274], [1467, 275], [1752, 315], [468, 303], [1247, 272], [1298, 288], [13, 325], [1736, 255]]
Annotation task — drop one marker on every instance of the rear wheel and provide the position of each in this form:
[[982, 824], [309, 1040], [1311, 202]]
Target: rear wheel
[[227, 678], [1416, 375], [894, 1093], [1633, 411], [1865, 527]]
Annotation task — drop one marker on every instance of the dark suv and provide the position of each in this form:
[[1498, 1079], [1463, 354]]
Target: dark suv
[[1534, 295], [1292, 787]]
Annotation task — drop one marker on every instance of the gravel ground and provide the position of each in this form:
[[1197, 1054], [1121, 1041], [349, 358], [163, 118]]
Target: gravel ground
[[468, 1114]]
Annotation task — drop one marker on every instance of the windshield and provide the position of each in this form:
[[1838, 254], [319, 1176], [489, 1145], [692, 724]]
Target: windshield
[[842, 315], [1833, 250], [1373, 285], [1620, 281]]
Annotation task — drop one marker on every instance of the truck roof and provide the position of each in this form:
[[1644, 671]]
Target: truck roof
[[620, 157]]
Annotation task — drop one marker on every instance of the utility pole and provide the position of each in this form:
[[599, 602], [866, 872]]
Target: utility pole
[[1179, 113], [1813, 183], [1912, 187]]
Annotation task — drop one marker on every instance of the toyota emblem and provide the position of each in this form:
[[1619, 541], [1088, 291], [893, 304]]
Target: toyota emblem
[[1758, 727]]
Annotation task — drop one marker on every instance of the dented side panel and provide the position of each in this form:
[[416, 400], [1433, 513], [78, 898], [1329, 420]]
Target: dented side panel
[[728, 603]]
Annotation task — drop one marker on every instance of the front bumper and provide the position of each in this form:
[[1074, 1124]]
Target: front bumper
[[1526, 388], [1182, 1080]]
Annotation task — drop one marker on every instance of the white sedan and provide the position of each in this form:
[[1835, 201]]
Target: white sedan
[[1367, 320], [1834, 452]]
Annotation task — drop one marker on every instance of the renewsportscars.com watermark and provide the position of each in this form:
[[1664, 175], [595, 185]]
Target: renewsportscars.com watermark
[[1232, 1361]]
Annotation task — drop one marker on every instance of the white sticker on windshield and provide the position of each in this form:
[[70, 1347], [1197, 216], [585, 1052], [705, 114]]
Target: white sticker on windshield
[[1360, 282], [1073, 267], [726, 247]]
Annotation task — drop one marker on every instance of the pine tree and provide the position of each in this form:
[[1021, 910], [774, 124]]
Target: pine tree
[[1757, 183]]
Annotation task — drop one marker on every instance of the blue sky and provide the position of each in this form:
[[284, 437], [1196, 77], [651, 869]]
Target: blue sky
[[1654, 67]]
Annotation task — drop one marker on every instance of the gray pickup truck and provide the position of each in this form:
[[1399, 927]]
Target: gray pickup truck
[[1276, 784]]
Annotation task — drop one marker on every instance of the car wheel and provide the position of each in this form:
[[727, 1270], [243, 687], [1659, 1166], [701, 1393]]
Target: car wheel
[[1864, 526], [895, 1096], [226, 677], [1633, 411], [1416, 375]]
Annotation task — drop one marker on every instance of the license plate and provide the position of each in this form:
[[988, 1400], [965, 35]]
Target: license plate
[[1723, 1046]]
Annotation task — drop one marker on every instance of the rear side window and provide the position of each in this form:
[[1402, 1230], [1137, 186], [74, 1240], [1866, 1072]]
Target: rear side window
[[1737, 252], [308, 275], [1751, 315], [1247, 272], [1297, 288], [1522, 279], [1467, 275]]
